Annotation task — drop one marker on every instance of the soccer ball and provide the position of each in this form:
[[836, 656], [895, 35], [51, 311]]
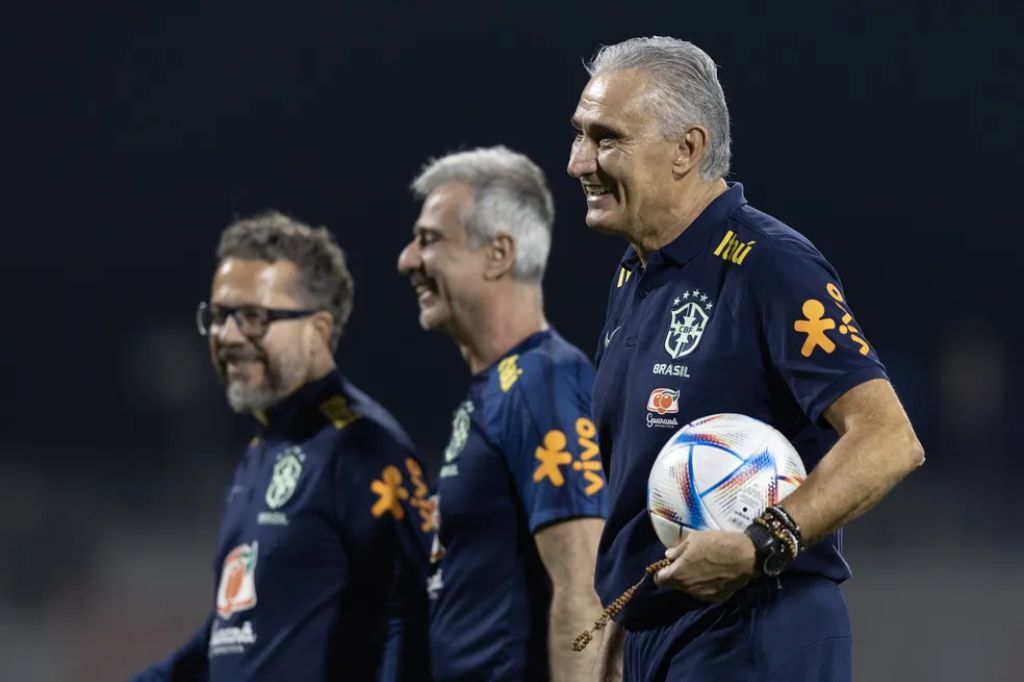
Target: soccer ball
[[719, 472]]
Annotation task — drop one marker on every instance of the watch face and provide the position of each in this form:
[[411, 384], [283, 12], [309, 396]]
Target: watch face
[[774, 564]]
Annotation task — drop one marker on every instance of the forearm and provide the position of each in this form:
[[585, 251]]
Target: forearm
[[609, 656], [874, 453], [569, 550], [572, 611]]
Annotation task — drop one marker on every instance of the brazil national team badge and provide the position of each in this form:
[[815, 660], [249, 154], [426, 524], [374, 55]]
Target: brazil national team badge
[[460, 431], [285, 478], [237, 589], [460, 434], [690, 314]]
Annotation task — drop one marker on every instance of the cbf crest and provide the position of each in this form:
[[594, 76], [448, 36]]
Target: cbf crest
[[690, 314], [460, 431], [285, 478], [460, 434]]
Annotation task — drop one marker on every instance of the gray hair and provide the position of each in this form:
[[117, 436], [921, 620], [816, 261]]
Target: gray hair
[[511, 194], [686, 90], [324, 279]]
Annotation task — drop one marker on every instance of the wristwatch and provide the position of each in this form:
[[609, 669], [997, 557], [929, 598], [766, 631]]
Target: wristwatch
[[771, 557]]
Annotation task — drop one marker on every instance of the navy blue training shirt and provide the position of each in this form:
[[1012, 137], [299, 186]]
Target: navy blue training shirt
[[522, 455], [322, 556], [739, 314]]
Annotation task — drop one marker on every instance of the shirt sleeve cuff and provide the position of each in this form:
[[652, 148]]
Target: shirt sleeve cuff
[[542, 521], [837, 388]]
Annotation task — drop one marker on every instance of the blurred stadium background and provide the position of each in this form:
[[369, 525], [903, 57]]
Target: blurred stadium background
[[891, 138]]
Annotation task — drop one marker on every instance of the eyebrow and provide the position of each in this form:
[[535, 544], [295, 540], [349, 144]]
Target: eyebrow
[[597, 128]]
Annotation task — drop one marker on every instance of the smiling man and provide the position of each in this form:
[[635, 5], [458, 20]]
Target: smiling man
[[321, 558], [717, 307], [521, 494]]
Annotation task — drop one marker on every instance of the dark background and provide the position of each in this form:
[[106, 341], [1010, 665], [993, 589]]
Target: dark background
[[891, 138]]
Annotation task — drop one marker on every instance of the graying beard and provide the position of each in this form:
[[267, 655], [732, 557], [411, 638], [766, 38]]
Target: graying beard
[[245, 399], [241, 398]]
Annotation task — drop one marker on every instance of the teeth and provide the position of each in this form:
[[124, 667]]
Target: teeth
[[597, 191], [423, 291]]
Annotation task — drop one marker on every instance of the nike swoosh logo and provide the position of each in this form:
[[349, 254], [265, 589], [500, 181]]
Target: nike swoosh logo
[[608, 337]]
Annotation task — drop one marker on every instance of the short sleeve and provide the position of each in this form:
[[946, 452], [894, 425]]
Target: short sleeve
[[815, 342], [550, 443]]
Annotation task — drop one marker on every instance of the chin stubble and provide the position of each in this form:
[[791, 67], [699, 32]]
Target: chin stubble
[[280, 378]]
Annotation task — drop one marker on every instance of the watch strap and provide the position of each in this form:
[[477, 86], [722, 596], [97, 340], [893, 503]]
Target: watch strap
[[765, 544]]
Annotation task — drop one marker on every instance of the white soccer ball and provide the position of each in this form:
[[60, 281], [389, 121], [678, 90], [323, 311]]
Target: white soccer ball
[[719, 472]]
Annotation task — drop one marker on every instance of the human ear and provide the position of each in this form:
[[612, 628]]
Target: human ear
[[501, 256], [323, 325], [690, 150]]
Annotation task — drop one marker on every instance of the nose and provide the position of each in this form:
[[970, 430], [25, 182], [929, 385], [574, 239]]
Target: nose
[[409, 259], [582, 158], [228, 333]]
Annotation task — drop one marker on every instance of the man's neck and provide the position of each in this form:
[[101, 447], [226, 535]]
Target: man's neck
[[320, 368], [511, 317], [692, 202]]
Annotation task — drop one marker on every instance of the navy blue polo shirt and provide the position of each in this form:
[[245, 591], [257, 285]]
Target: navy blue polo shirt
[[322, 554], [739, 314], [522, 455]]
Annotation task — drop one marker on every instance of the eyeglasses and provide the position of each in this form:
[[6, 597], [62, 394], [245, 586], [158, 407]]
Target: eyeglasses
[[252, 320]]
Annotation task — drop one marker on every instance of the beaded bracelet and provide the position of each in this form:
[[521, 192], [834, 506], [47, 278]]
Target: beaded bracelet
[[788, 521], [780, 532]]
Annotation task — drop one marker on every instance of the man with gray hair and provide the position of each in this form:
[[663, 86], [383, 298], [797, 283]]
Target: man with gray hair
[[521, 496], [719, 308], [321, 557]]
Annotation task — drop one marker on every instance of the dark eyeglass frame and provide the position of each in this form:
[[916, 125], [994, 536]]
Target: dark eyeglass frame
[[205, 322]]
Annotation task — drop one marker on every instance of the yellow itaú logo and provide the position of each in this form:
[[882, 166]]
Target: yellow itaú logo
[[508, 372], [732, 249], [338, 412]]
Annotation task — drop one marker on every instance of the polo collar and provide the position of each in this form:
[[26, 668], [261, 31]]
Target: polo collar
[[298, 410], [693, 238]]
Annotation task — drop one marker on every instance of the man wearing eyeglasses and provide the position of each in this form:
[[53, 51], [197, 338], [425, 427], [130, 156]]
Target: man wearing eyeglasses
[[321, 562]]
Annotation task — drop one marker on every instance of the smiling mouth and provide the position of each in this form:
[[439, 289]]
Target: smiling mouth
[[239, 366], [235, 360], [424, 290], [597, 190]]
